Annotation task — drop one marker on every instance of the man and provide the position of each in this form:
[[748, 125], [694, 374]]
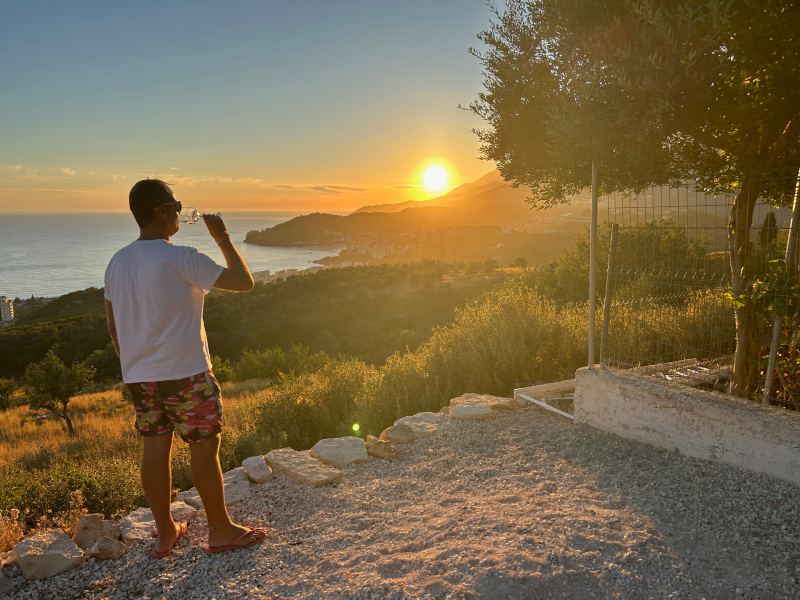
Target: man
[[154, 295]]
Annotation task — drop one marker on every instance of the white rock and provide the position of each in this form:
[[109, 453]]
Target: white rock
[[236, 491], [493, 402], [107, 548], [302, 467], [137, 525], [140, 524], [92, 528], [47, 553], [236, 485], [399, 433], [340, 452], [182, 511], [257, 469], [112, 529], [89, 530], [471, 411], [192, 498], [236, 475], [423, 424], [380, 448]]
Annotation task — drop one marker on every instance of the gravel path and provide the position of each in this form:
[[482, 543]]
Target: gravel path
[[521, 506]]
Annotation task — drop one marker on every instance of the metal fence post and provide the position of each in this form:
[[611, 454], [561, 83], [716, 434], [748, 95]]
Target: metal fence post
[[592, 269], [612, 251]]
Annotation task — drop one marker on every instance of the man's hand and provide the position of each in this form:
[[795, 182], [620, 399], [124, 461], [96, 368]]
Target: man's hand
[[237, 276], [216, 227]]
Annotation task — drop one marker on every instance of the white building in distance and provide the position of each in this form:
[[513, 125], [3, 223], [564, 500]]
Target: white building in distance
[[6, 309]]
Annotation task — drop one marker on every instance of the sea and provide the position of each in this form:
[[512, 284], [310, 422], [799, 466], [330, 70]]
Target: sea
[[50, 254]]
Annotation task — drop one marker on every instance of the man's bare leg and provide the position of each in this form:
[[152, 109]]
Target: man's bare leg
[[157, 484], [207, 478]]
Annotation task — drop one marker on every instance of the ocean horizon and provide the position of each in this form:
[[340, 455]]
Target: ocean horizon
[[47, 254]]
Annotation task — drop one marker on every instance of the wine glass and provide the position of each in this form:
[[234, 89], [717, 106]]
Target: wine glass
[[189, 215]]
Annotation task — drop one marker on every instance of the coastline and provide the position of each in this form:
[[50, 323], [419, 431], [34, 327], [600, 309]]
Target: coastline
[[79, 245]]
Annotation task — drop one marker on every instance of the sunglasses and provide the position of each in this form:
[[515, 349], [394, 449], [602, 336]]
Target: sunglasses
[[177, 205]]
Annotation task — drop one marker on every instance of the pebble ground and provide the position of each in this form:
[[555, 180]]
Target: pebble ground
[[524, 505]]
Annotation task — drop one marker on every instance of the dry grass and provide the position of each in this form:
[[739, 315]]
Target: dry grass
[[44, 473], [11, 528], [101, 421]]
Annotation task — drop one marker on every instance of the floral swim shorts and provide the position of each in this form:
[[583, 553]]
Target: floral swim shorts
[[190, 406]]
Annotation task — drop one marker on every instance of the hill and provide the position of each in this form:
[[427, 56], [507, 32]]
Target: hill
[[486, 219], [490, 200], [367, 312], [75, 304], [322, 229]]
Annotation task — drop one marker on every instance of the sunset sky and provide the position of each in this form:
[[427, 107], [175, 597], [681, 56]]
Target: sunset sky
[[241, 105]]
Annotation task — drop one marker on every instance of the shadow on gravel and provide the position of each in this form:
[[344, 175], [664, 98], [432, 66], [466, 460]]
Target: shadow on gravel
[[735, 531], [568, 585], [193, 576]]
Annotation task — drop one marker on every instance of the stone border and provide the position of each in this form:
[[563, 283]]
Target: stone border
[[49, 552], [694, 422]]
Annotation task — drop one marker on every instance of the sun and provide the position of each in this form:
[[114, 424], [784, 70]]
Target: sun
[[434, 178]]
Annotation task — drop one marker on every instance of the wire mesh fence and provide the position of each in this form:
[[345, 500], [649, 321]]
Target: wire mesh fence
[[670, 311]]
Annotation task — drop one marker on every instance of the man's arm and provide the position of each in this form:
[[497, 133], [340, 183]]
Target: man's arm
[[237, 276], [112, 327]]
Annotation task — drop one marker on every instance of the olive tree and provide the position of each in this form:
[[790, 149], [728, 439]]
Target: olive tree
[[654, 92], [52, 385]]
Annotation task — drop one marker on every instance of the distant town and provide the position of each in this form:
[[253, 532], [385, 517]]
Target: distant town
[[6, 311]]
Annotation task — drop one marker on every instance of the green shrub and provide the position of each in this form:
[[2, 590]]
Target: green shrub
[[109, 486], [223, 370], [509, 338], [270, 363], [322, 404]]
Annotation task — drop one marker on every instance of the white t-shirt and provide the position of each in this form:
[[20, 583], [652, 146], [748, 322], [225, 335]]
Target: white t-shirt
[[156, 291]]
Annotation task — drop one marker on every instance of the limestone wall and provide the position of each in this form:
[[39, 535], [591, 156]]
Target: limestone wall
[[694, 422]]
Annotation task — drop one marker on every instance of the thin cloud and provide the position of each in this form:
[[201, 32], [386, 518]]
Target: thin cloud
[[34, 176], [67, 171], [324, 189], [191, 180], [345, 188], [5, 168], [43, 190], [75, 191]]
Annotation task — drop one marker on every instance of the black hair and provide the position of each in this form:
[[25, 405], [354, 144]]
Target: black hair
[[145, 196]]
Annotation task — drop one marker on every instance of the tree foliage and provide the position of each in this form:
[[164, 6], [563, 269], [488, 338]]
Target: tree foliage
[[653, 92], [53, 384]]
